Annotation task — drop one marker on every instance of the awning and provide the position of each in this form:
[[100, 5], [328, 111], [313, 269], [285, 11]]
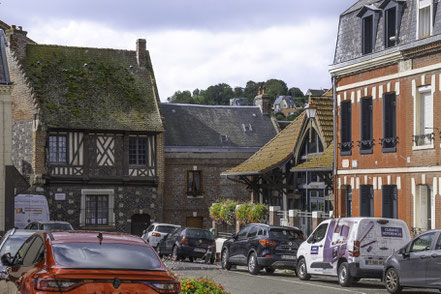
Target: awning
[[322, 162]]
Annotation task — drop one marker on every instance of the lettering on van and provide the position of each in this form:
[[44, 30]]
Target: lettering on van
[[391, 232], [314, 250]]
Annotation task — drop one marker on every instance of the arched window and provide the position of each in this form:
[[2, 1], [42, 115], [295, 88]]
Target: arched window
[[311, 145]]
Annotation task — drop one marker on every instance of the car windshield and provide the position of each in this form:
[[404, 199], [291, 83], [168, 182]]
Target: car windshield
[[13, 243], [286, 234], [165, 229], [106, 256], [56, 226], [201, 234]]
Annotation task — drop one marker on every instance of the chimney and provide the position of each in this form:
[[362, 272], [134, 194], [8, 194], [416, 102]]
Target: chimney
[[263, 101], [141, 52], [17, 40]]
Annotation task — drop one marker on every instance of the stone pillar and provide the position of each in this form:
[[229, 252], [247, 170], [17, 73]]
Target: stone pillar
[[317, 218], [274, 219], [292, 217]]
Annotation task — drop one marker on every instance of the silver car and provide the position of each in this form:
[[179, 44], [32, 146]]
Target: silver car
[[156, 232], [418, 264]]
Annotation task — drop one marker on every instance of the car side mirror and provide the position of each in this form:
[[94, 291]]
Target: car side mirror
[[6, 259], [403, 251]]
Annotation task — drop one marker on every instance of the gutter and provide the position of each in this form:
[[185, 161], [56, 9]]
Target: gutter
[[334, 126]]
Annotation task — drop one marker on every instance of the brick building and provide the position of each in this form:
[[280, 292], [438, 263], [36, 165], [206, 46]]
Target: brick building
[[387, 81], [201, 142], [87, 131]]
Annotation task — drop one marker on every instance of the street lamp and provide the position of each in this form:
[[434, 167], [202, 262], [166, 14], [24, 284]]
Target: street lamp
[[310, 111]]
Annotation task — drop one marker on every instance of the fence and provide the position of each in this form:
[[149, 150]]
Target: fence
[[304, 220]]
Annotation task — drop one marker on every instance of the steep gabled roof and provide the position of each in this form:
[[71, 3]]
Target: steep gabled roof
[[90, 88], [216, 126], [320, 162], [325, 117]]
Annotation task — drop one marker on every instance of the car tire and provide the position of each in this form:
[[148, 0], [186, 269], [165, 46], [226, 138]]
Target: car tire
[[302, 271], [253, 266], [270, 270], [392, 281], [191, 259], [224, 258], [344, 276], [175, 255]]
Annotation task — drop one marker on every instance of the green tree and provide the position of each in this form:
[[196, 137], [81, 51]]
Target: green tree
[[220, 94], [181, 97], [238, 92], [275, 88], [295, 115], [295, 92], [251, 90], [280, 116]]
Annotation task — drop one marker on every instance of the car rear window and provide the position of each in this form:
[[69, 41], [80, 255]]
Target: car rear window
[[286, 234], [201, 234], [12, 244], [165, 229], [106, 256], [57, 227]]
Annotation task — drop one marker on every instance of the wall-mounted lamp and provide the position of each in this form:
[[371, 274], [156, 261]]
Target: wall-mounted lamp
[[310, 111]]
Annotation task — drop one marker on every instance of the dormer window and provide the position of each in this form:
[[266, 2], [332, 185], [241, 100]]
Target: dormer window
[[247, 127], [224, 138], [424, 19], [367, 34], [390, 24]]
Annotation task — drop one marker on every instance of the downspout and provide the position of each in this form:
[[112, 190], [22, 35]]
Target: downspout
[[334, 126]]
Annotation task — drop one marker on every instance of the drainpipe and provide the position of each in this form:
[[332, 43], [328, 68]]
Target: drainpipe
[[334, 126]]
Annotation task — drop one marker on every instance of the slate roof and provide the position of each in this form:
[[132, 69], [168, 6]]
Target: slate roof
[[4, 72], [320, 162], [288, 99], [275, 153], [203, 125], [239, 102], [348, 46], [91, 88]]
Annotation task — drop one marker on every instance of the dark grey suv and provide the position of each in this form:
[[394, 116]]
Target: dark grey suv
[[262, 246], [418, 264]]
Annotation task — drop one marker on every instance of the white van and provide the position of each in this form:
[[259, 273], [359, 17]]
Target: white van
[[351, 248]]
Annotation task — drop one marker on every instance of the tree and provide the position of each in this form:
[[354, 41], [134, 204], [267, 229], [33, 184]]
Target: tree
[[181, 97], [280, 116], [238, 92], [220, 94], [275, 88], [251, 90], [295, 92], [295, 115]]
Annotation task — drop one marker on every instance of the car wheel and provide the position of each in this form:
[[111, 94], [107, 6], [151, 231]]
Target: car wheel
[[225, 263], [344, 276], [302, 272], [269, 270], [253, 266], [175, 255], [392, 281], [191, 259]]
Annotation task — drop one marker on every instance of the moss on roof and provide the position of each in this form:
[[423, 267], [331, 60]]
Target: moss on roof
[[92, 88], [324, 115], [275, 153], [323, 161]]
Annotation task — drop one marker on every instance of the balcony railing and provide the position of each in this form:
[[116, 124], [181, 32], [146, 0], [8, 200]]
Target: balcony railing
[[389, 144], [424, 139], [346, 147], [366, 146]]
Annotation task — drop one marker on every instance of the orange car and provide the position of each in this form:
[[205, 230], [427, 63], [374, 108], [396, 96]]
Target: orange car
[[86, 262]]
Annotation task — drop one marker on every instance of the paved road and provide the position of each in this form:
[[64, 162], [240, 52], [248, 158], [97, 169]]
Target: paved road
[[239, 281]]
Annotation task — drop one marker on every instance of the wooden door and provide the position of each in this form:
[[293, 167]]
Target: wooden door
[[195, 221]]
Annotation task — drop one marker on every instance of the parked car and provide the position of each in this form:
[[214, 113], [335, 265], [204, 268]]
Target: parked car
[[156, 232], [49, 225], [418, 264], [87, 262], [11, 241], [262, 246], [191, 243], [351, 248]]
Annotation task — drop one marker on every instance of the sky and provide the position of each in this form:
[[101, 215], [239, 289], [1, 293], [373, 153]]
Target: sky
[[197, 43]]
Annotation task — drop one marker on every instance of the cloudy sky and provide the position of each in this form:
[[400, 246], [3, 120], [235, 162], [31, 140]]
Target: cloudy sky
[[197, 43]]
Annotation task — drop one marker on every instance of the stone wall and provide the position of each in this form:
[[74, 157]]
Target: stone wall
[[22, 147]]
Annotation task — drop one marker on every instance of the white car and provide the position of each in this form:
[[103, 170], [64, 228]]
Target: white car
[[351, 248], [156, 232]]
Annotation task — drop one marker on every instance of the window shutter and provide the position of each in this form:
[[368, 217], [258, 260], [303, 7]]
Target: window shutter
[[366, 119], [427, 107]]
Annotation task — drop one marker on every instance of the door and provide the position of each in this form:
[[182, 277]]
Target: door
[[316, 200], [195, 222], [433, 276], [139, 223], [413, 267], [423, 207], [170, 241], [316, 244], [237, 247]]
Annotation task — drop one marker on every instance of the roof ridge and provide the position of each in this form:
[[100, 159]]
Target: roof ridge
[[79, 47], [208, 106]]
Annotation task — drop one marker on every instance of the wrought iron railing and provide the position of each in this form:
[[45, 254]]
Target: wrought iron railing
[[389, 144], [366, 145], [424, 139], [346, 147]]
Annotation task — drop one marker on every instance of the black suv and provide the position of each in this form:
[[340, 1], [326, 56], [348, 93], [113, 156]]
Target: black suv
[[263, 246]]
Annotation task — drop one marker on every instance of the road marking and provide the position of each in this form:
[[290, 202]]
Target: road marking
[[300, 283]]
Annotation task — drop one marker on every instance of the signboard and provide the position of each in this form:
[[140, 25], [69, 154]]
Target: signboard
[[60, 196], [29, 208], [391, 232]]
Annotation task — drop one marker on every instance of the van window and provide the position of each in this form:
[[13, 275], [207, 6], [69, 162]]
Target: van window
[[422, 243], [319, 234]]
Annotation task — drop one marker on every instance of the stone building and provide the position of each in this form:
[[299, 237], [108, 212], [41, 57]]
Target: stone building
[[387, 77], [88, 132], [200, 143]]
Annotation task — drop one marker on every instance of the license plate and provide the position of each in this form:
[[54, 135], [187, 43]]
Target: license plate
[[374, 262], [202, 250], [288, 257]]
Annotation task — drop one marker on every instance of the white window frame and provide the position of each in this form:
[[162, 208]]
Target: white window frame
[[109, 192], [420, 5], [417, 113]]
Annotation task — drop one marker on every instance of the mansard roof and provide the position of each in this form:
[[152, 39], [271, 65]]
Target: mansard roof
[[91, 88], [4, 73], [193, 125]]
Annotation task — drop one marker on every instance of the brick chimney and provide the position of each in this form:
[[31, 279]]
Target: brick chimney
[[263, 101], [17, 40], [141, 52]]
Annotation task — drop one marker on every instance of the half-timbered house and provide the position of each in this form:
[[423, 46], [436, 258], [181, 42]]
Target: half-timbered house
[[88, 131]]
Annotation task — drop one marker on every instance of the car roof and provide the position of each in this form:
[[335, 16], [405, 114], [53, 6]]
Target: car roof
[[165, 224], [51, 222], [92, 237], [20, 232], [273, 227]]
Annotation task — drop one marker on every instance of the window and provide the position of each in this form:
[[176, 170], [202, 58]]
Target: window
[[35, 252], [319, 234], [194, 182], [57, 149], [242, 234], [390, 24], [366, 142], [390, 201], [247, 127], [423, 207], [311, 144], [253, 232], [348, 201], [366, 200], [389, 140], [424, 18], [367, 33], [424, 117], [137, 151], [422, 243], [97, 209], [224, 138], [346, 128]]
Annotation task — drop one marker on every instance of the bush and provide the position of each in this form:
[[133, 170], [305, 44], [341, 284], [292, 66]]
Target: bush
[[201, 286], [249, 212], [223, 212]]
